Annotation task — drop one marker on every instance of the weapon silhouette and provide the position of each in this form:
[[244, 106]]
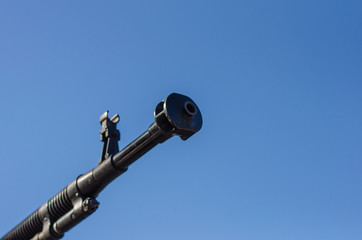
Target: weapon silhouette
[[176, 115]]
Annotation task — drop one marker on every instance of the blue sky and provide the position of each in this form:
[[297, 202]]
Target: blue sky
[[278, 84]]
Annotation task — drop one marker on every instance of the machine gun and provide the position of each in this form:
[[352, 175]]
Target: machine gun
[[176, 115]]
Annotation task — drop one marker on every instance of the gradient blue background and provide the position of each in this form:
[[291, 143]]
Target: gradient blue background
[[279, 86]]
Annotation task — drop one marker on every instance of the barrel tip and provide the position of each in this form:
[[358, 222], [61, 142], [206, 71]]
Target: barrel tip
[[178, 115]]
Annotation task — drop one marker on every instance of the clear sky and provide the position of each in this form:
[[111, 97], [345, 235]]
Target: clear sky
[[278, 83]]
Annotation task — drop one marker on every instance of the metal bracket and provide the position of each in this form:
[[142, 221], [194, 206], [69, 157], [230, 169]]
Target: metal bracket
[[82, 208], [109, 135]]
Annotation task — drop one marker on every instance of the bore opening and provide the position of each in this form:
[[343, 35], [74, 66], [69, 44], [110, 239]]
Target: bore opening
[[190, 108]]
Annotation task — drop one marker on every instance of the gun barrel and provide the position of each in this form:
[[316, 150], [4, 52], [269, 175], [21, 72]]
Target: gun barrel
[[176, 115]]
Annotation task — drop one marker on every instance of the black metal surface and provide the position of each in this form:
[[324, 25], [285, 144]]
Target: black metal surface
[[176, 115], [109, 135]]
